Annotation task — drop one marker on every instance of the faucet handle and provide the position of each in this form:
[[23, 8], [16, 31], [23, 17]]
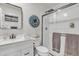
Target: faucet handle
[[12, 36]]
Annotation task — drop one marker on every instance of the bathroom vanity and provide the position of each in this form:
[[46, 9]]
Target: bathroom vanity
[[16, 48], [11, 19]]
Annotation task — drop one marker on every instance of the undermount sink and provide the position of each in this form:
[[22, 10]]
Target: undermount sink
[[19, 38], [1, 39], [7, 40]]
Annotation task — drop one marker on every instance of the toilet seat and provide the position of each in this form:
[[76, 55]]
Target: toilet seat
[[42, 51]]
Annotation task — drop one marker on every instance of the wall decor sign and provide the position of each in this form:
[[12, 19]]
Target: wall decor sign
[[11, 18], [34, 21]]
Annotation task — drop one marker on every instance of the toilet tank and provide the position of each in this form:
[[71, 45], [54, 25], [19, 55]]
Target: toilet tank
[[36, 41]]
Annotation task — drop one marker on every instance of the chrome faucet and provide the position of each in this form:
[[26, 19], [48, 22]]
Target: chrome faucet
[[12, 36]]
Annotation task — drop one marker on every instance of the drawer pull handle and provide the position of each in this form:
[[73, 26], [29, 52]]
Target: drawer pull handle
[[26, 53]]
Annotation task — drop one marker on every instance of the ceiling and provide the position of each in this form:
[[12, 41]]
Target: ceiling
[[46, 6], [42, 7]]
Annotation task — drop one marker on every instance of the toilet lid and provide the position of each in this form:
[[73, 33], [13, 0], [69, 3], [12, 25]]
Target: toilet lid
[[42, 49]]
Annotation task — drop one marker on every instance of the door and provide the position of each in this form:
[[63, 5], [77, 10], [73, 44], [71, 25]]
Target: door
[[46, 31]]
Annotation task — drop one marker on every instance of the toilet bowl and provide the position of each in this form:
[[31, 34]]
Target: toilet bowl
[[42, 51], [39, 50]]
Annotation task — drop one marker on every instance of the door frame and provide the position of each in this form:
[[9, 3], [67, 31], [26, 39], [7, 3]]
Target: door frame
[[42, 26]]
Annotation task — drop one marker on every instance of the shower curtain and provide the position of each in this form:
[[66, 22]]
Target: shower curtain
[[56, 42], [72, 45]]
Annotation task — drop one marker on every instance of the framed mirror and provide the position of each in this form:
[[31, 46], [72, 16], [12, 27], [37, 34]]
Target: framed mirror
[[11, 16]]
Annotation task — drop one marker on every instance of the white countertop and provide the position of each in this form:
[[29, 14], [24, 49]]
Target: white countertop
[[9, 41]]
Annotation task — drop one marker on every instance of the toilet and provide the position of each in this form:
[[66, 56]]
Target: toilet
[[38, 49], [42, 51]]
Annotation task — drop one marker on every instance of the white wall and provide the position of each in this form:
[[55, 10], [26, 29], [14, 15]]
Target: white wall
[[34, 9], [28, 10]]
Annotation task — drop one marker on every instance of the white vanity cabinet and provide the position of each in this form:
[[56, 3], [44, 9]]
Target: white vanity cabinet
[[23, 48], [26, 52], [12, 53]]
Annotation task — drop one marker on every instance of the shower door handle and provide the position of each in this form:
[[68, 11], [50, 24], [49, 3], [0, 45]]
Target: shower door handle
[[46, 28]]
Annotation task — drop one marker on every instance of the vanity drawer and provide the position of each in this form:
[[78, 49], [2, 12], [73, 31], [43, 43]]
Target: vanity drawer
[[13, 53], [10, 52], [27, 51], [24, 48]]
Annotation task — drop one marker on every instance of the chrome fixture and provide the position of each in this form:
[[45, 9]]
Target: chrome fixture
[[12, 36]]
